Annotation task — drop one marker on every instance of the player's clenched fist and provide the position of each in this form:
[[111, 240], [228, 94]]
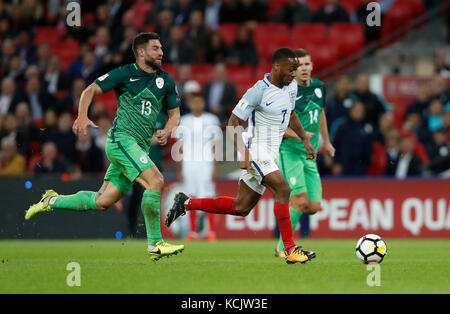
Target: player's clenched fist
[[311, 151], [162, 137], [80, 125]]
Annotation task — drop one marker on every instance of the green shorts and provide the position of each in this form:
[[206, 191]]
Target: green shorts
[[301, 174], [128, 160]]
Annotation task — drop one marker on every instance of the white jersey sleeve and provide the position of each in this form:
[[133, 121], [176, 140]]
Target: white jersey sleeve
[[249, 102]]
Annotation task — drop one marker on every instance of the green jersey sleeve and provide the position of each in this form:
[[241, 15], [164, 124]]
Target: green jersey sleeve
[[112, 79], [171, 99]]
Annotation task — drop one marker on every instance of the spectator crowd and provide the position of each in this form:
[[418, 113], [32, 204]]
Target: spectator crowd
[[40, 91]]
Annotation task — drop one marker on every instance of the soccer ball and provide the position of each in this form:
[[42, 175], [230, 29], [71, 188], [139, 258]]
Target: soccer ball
[[371, 248]]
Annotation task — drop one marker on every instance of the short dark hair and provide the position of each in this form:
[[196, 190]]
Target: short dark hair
[[282, 54], [142, 39], [301, 53]]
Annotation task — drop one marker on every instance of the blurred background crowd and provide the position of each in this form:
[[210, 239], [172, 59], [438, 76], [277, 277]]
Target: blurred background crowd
[[219, 49]]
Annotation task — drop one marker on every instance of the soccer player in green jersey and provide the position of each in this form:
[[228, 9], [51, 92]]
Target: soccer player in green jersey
[[142, 89], [301, 173]]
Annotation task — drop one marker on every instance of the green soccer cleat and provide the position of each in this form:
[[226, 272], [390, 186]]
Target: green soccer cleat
[[42, 206], [162, 249]]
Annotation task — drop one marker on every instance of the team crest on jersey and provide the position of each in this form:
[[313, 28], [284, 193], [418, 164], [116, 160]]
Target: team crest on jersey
[[160, 82], [143, 159], [318, 92], [293, 180]]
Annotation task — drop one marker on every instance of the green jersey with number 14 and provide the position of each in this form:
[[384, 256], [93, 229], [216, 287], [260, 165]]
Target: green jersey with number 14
[[140, 98], [309, 103]]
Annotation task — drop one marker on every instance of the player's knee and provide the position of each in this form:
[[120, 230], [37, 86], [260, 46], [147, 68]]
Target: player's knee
[[101, 203], [156, 183], [242, 210], [299, 204], [282, 194], [313, 208]]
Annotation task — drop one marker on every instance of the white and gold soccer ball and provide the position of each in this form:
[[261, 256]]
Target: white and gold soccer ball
[[371, 248]]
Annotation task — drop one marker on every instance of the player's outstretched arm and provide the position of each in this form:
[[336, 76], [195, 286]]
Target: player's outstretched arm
[[291, 134], [174, 120], [82, 122], [234, 129], [296, 126], [323, 129]]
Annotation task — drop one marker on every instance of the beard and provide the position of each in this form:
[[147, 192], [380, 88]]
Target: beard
[[152, 63]]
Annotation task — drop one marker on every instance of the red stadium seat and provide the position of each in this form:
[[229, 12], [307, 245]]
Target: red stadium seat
[[309, 33], [315, 4], [270, 31], [274, 7], [398, 16], [88, 18], [351, 5], [348, 37], [242, 87], [48, 34], [227, 31], [68, 51], [378, 163], [261, 70], [322, 56], [266, 48], [34, 159], [202, 73], [239, 74], [109, 100], [171, 69]]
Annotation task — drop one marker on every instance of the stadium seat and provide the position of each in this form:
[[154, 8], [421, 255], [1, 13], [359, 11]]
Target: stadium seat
[[48, 34], [270, 31], [227, 31], [398, 16], [140, 9], [323, 56], [274, 7], [266, 48], [34, 159], [88, 18], [68, 50], [239, 74], [171, 69], [261, 70], [315, 4], [242, 87], [202, 73], [109, 101], [351, 5], [378, 163], [348, 37], [309, 33]]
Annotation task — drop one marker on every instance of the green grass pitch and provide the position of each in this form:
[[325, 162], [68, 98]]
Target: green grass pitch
[[238, 266]]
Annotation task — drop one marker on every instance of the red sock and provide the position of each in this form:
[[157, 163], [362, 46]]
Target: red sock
[[212, 227], [216, 205], [283, 218], [193, 218]]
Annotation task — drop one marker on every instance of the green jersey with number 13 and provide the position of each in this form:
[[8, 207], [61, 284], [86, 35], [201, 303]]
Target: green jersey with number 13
[[140, 98]]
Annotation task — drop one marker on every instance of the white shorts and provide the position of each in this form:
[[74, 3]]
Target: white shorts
[[258, 170]]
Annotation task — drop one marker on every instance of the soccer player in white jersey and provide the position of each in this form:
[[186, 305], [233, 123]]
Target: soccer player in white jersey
[[269, 107], [199, 133]]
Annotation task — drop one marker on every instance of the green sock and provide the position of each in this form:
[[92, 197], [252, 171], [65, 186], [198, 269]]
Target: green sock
[[81, 201], [295, 217], [151, 202]]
